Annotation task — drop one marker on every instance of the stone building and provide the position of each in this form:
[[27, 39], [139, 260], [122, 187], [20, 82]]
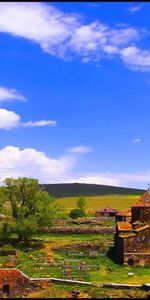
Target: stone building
[[13, 282], [132, 239], [106, 212]]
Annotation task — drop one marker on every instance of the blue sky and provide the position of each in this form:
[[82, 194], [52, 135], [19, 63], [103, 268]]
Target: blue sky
[[75, 92]]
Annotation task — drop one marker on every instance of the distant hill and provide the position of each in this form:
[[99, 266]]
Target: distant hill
[[60, 190]]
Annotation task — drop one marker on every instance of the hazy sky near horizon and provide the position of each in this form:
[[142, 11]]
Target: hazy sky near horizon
[[75, 92]]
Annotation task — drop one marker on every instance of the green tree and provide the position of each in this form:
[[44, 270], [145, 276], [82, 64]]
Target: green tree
[[31, 207], [6, 229], [77, 213], [82, 203]]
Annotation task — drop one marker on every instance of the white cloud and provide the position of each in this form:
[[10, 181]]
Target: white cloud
[[135, 141], [135, 8], [97, 179], [136, 58], [39, 123], [67, 35], [137, 179], [10, 94], [8, 119], [80, 149], [29, 162]]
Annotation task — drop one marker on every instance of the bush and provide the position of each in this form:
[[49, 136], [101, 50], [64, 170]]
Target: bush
[[7, 247], [76, 213]]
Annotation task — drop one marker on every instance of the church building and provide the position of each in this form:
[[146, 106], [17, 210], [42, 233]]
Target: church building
[[132, 239]]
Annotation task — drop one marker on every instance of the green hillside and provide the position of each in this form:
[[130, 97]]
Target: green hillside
[[77, 189]]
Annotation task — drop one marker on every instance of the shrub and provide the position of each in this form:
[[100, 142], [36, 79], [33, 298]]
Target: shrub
[[76, 213], [7, 247]]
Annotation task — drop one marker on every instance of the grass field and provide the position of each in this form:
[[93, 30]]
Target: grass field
[[27, 260], [62, 291], [119, 202]]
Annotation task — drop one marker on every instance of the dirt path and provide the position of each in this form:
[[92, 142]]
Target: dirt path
[[48, 246]]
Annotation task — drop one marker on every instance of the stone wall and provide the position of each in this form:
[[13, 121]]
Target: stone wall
[[137, 259], [13, 282], [105, 230], [138, 243], [137, 248], [140, 213]]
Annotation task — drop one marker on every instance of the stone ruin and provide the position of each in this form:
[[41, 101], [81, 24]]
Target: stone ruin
[[13, 282]]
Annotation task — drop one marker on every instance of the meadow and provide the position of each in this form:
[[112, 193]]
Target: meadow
[[28, 262], [118, 202], [32, 259]]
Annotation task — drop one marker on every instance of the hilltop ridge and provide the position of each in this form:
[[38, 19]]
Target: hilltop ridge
[[59, 190]]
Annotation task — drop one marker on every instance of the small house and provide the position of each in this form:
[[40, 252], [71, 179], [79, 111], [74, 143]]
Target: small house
[[106, 212]]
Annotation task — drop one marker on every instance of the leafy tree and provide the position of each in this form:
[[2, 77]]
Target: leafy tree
[[77, 213], [26, 227], [82, 203], [31, 207]]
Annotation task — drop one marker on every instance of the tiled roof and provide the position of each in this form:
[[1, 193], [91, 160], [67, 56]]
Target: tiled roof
[[124, 226], [142, 228], [144, 200], [127, 235], [137, 223], [126, 213], [12, 273]]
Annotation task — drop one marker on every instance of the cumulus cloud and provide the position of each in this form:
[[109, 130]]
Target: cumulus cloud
[[29, 162], [80, 149], [136, 58], [39, 123], [10, 94], [8, 119], [135, 141], [67, 35]]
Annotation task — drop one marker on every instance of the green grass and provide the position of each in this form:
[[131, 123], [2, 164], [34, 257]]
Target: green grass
[[118, 202], [72, 237], [119, 273], [63, 290]]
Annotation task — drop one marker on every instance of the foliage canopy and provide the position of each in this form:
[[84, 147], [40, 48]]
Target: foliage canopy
[[28, 205]]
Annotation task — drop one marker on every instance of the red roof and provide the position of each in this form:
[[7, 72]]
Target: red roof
[[124, 226], [126, 213], [144, 200]]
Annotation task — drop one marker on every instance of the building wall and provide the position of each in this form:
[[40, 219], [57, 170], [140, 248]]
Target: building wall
[[138, 248], [105, 214], [140, 213], [138, 259], [122, 218], [102, 214], [119, 248], [16, 281]]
